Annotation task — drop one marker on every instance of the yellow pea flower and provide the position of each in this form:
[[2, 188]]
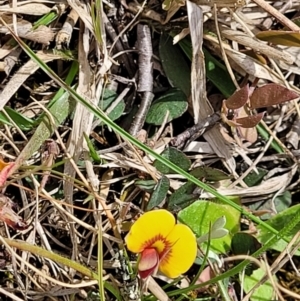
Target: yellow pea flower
[[162, 244]]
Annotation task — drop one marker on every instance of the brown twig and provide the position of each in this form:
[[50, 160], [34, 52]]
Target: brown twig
[[145, 85]]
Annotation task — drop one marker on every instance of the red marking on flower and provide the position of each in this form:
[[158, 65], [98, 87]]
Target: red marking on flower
[[148, 243], [166, 252]]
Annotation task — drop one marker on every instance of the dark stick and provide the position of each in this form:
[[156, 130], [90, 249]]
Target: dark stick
[[195, 129], [145, 85]]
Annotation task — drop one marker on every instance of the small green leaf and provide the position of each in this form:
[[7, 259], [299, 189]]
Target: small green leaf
[[263, 292], [202, 214], [278, 222], [182, 197], [219, 233], [219, 223], [175, 66], [21, 121], [109, 97], [253, 178], [209, 174], [244, 243], [175, 156], [92, 150], [159, 193], [174, 102], [217, 230]]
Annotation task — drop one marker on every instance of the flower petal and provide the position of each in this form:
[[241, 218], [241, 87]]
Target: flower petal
[[182, 254], [148, 263], [150, 225]]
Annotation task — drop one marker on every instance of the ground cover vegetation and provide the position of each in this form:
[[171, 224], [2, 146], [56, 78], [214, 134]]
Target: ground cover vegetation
[[149, 150]]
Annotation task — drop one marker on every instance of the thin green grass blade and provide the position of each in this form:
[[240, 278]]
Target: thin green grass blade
[[97, 24], [69, 79], [100, 261], [46, 19], [266, 136], [4, 119], [92, 150], [24, 123]]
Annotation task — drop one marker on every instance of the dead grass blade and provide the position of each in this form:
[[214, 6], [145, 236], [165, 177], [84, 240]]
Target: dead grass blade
[[201, 107]]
